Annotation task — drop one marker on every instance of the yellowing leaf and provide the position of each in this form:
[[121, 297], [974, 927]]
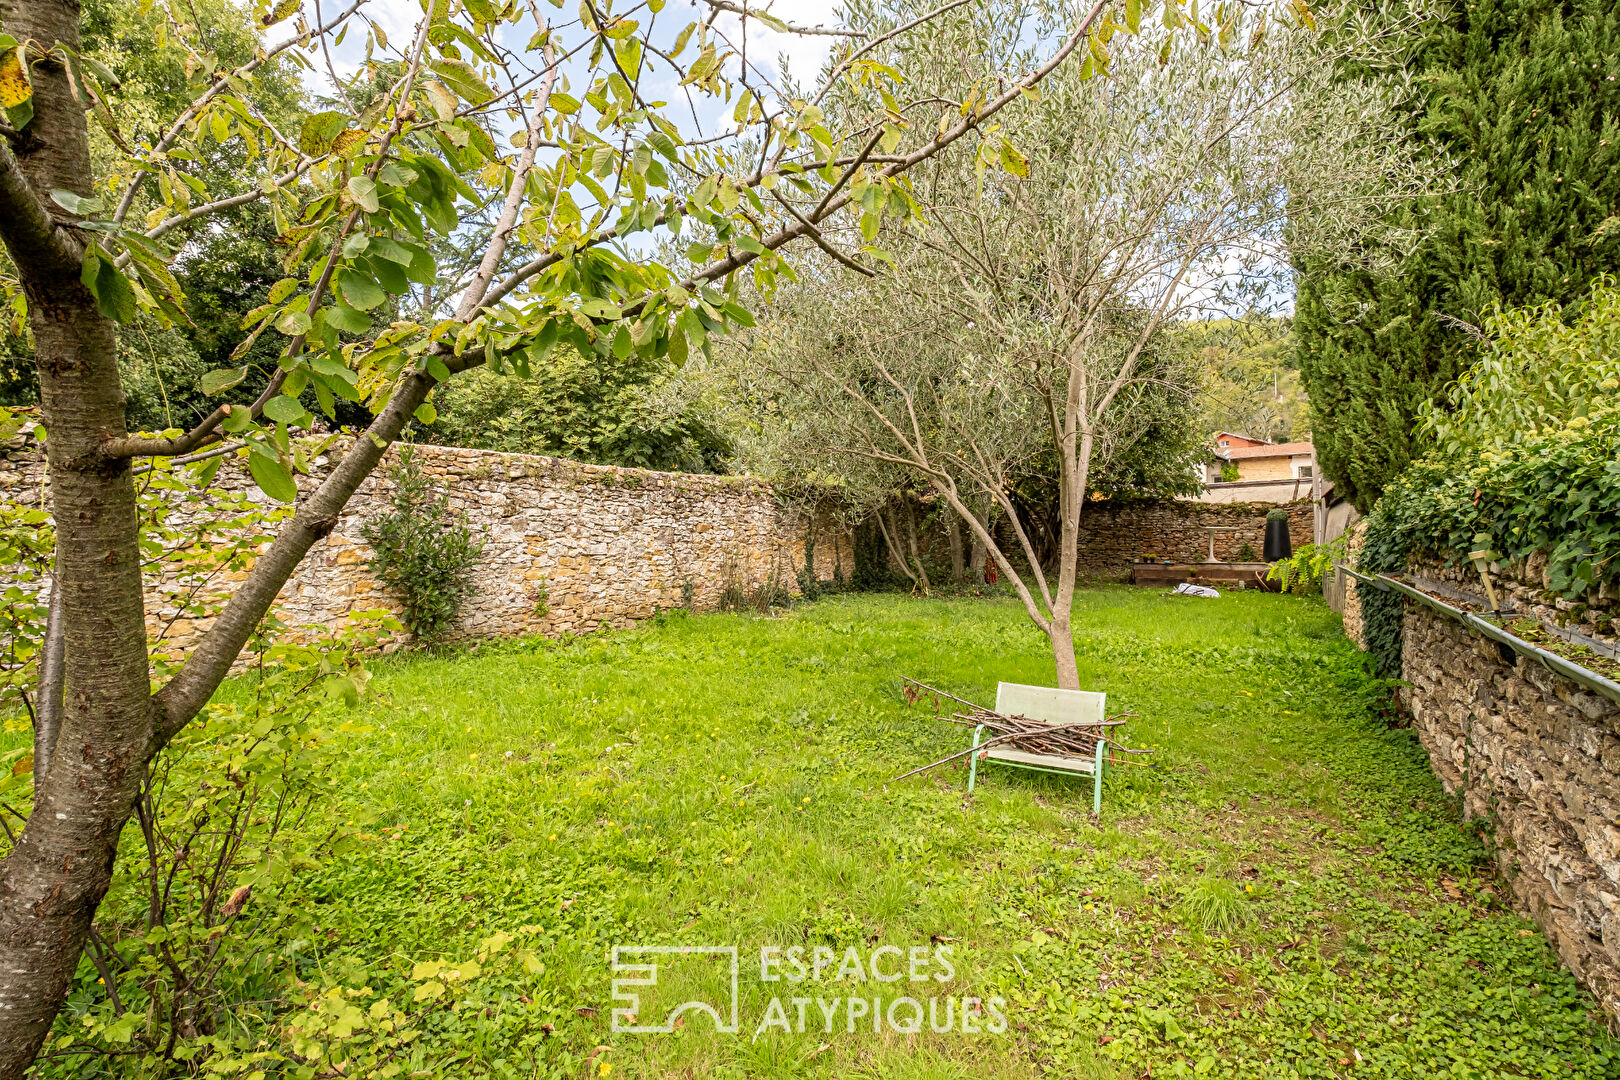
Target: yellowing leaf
[[16, 95], [428, 991], [281, 11], [347, 141], [1012, 160]]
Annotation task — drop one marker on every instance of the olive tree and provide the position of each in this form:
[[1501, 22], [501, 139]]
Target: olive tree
[[480, 190], [1030, 295]]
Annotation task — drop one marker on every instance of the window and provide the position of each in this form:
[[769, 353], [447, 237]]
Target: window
[[1303, 472]]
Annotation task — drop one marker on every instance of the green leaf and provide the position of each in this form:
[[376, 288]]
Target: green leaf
[[390, 275], [220, 379], [622, 342], [1133, 14], [344, 689], [360, 291], [677, 344], [392, 250], [74, 203], [464, 79], [273, 478], [426, 413], [283, 410], [115, 298], [283, 289], [363, 189], [294, 323], [341, 316]]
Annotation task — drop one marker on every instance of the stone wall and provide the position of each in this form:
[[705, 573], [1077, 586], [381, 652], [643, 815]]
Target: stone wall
[[600, 545], [1539, 757], [1115, 535]]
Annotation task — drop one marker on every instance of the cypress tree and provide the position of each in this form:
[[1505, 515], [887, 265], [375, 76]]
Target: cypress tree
[[1524, 96]]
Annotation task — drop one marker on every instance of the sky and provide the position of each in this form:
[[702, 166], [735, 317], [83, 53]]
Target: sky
[[803, 54]]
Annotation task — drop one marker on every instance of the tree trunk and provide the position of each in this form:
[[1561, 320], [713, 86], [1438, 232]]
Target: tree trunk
[[48, 706], [895, 551], [954, 534], [911, 541], [61, 866], [979, 556], [1062, 635]]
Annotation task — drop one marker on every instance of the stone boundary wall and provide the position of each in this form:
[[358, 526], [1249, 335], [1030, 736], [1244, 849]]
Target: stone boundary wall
[[1535, 754], [602, 545], [1113, 535]]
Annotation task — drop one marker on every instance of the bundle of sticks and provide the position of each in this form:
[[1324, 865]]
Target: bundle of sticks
[[1021, 732]]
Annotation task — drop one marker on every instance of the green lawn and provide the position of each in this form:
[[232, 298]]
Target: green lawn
[[1287, 893]]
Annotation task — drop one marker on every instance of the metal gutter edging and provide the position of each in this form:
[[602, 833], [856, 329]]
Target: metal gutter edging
[[1591, 680]]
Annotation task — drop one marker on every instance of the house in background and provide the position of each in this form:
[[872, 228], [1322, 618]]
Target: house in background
[[1260, 471]]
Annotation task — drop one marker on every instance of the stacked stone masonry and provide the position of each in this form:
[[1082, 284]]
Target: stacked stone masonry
[[1535, 754], [598, 545], [1113, 535]]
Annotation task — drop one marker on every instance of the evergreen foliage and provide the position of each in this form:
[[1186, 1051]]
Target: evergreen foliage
[[1524, 96], [422, 551], [581, 406]]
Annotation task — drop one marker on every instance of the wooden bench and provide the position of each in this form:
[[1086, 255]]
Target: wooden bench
[[1052, 706]]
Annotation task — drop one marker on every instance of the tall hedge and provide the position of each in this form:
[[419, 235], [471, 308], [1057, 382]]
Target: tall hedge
[[1524, 95]]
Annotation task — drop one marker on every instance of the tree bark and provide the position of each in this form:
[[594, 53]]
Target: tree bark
[[48, 707], [895, 552], [953, 533], [61, 866], [979, 555], [911, 540]]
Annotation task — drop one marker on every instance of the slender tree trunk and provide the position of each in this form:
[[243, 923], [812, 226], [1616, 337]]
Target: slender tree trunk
[[953, 531], [61, 866], [895, 551], [911, 541], [979, 556]]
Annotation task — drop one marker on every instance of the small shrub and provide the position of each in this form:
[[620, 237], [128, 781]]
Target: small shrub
[[1229, 473], [771, 592], [1245, 552], [422, 552], [1217, 906], [1303, 571], [733, 589], [688, 591]]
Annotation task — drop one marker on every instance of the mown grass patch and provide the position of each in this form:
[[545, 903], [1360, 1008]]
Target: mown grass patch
[[1287, 892]]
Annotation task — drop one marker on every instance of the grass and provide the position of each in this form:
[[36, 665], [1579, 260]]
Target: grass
[[1286, 893]]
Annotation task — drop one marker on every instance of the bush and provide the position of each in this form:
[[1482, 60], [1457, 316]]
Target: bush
[[422, 552], [1528, 461]]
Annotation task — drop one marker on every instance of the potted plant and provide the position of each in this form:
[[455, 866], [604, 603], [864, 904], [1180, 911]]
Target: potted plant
[[1278, 544]]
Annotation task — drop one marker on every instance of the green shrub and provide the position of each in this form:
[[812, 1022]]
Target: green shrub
[[1303, 571], [422, 552]]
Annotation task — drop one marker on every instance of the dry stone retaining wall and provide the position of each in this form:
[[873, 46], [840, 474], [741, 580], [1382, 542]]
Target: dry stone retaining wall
[[1113, 535], [1539, 757], [599, 544]]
